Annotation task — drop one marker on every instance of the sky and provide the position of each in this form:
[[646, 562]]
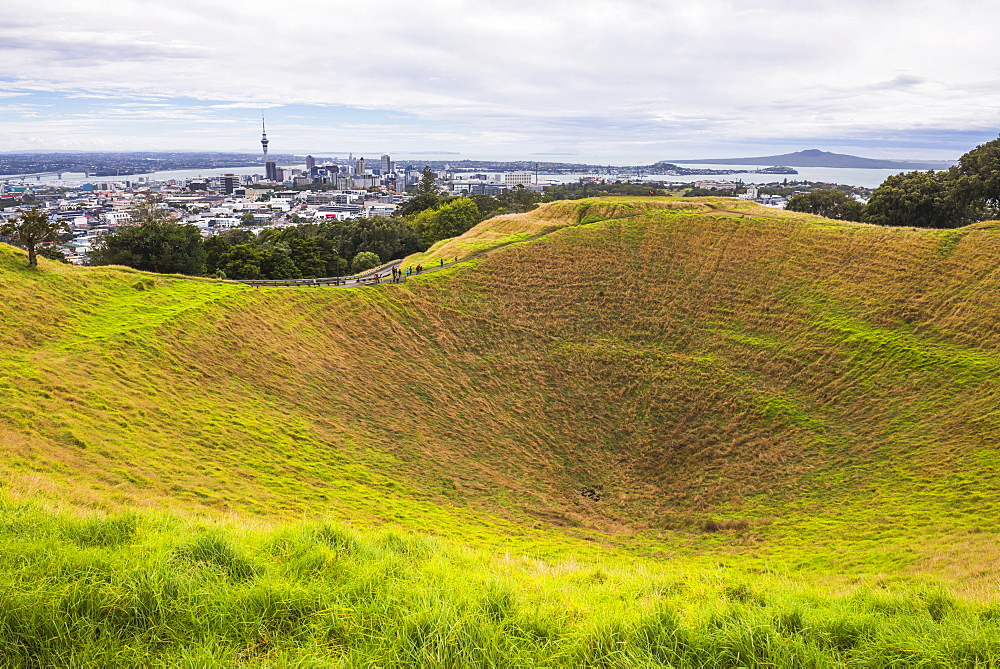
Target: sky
[[617, 82]]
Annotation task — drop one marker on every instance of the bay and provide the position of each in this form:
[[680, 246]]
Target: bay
[[867, 178]]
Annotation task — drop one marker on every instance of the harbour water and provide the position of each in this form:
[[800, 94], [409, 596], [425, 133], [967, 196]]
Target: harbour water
[[73, 179], [847, 176], [838, 175]]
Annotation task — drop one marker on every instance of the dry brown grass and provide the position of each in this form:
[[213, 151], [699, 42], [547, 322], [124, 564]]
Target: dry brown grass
[[510, 228]]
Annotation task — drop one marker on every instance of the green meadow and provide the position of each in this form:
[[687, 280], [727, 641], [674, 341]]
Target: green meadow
[[660, 432]]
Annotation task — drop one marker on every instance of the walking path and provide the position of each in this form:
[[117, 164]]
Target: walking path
[[384, 272]]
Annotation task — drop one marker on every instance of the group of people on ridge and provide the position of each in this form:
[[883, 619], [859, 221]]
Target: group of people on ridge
[[398, 274]]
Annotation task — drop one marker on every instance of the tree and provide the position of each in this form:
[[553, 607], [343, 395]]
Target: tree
[[31, 228], [417, 204], [426, 185], [425, 198], [456, 217], [708, 192], [247, 218], [364, 260], [487, 204], [918, 199], [518, 199], [829, 203], [309, 256], [276, 264], [978, 176], [387, 238], [214, 246], [237, 236], [149, 210], [242, 261], [450, 220], [153, 246]]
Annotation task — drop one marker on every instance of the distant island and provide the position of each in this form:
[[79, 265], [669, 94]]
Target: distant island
[[670, 169], [817, 158]]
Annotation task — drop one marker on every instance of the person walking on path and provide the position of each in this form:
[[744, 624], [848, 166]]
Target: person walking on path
[[441, 261]]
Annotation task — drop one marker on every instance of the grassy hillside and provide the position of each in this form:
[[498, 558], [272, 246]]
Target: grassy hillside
[[671, 390], [512, 228]]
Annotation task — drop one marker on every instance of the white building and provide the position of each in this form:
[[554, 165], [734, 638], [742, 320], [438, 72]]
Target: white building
[[512, 179], [379, 210], [709, 184], [117, 217]]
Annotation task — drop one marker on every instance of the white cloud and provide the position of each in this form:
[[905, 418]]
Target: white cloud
[[521, 74]]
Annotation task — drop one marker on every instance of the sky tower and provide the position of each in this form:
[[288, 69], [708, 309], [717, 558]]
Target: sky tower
[[270, 169], [263, 136]]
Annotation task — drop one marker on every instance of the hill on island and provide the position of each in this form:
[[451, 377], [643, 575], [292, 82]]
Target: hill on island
[[817, 158], [668, 431]]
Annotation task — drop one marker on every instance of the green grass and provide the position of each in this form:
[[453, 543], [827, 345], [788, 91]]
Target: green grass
[[769, 407], [155, 590]]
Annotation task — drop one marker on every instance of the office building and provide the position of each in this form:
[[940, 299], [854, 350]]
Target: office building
[[228, 183], [514, 179]]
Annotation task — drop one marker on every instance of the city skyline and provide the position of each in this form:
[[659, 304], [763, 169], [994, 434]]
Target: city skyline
[[590, 81]]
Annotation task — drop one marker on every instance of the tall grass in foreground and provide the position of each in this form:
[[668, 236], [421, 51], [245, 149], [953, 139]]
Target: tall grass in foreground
[[131, 590]]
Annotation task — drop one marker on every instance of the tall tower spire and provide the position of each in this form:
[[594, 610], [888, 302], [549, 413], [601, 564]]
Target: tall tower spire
[[263, 135]]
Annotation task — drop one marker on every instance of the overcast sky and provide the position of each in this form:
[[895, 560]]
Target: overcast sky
[[623, 81]]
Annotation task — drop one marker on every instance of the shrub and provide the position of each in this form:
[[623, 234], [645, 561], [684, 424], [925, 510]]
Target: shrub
[[827, 202], [364, 261]]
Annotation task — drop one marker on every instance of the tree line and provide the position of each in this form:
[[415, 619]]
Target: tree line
[[576, 191], [963, 194]]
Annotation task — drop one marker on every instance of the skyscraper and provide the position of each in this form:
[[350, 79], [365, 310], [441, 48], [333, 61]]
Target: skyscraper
[[263, 136], [270, 169], [359, 166], [386, 165]]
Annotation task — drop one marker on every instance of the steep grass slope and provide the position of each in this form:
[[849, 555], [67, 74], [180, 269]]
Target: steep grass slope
[[648, 371], [511, 228], [668, 433]]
